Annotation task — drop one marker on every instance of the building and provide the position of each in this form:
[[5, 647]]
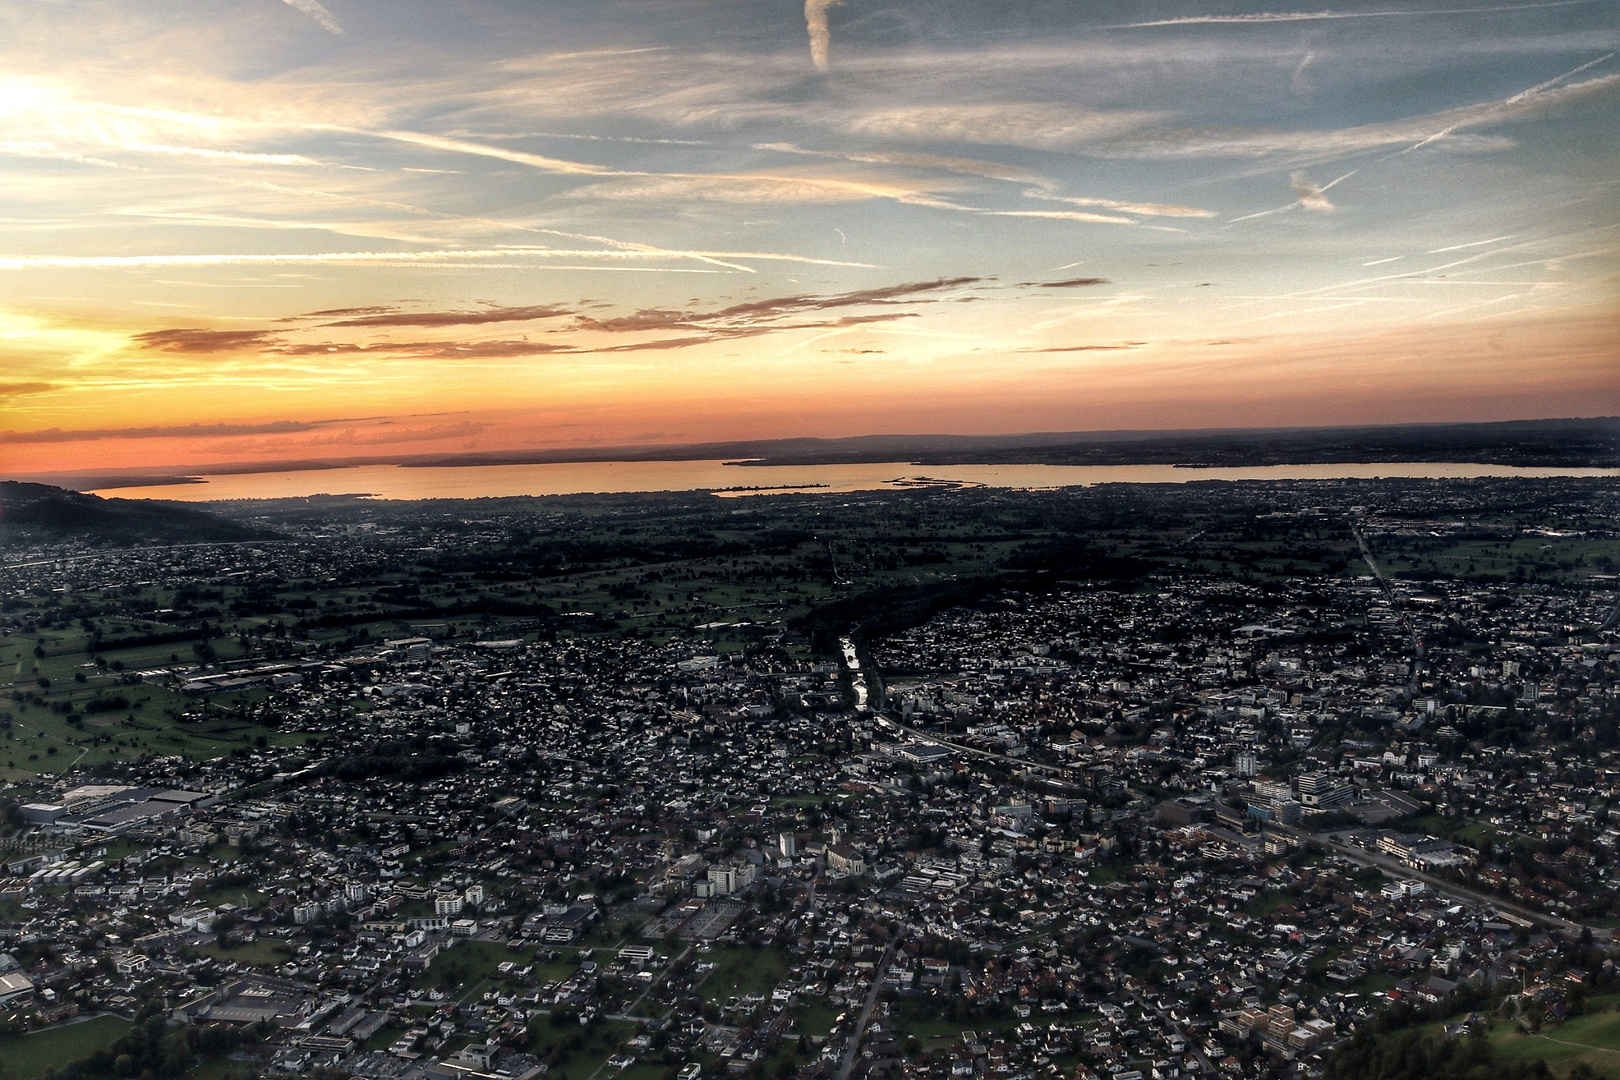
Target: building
[[845, 860], [1323, 791]]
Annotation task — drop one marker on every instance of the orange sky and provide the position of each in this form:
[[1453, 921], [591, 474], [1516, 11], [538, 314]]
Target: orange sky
[[382, 231]]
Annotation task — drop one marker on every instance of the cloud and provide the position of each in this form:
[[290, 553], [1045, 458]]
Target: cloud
[[1062, 215], [561, 166], [1068, 283], [755, 311], [1036, 125], [453, 318], [727, 333], [31, 148], [1142, 208], [344, 313], [22, 389], [1317, 16], [239, 156], [1088, 348], [757, 317], [815, 20], [992, 170], [1510, 106], [1311, 196], [204, 341], [1300, 82], [166, 431], [1440, 128], [315, 10], [429, 350], [1471, 243], [468, 257]]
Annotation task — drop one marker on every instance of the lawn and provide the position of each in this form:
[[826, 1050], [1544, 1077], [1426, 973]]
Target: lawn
[[580, 1051], [260, 952], [1593, 1039], [928, 1023], [224, 1069], [816, 1020], [28, 1056], [743, 971]]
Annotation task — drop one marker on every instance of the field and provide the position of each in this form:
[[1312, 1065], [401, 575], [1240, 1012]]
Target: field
[[575, 1052], [1593, 1039], [28, 1056], [262, 952], [742, 971]]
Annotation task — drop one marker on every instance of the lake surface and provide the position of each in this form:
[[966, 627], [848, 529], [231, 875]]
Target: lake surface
[[577, 478]]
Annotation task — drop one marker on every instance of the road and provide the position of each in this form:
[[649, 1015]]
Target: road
[[630, 1010], [1181, 1032], [854, 1046], [1389, 594]]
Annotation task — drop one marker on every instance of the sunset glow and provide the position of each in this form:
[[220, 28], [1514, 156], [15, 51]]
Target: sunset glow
[[266, 231]]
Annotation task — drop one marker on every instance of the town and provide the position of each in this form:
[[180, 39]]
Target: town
[[1249, 773]]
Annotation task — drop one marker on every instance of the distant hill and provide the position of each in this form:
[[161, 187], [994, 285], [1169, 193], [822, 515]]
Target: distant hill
[[45, 513], [1575, 443]]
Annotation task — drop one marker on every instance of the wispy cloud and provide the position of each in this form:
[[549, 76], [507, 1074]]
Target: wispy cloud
[[1144, 209], [453, 318], [755, 311], [815, 20], [1311, 195], [10, 390], [1510, 105], [1471, 243], [1299, 81], [30, 148], [203, 341], [317, 11], [429, 350], [494, 257], [1317, 16], [166, 431], [1066, 283], [1062, 215], [1124, 345], [1308, 196]]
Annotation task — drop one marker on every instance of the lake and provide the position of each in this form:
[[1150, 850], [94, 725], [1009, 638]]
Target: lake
[[608, 477]]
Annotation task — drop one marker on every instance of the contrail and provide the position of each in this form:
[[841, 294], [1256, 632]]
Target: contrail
[[317, 11], [1516, 99], [815, 19], [1315, 16], [1310, 197]]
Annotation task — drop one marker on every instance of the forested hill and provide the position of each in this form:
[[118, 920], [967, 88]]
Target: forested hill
[[39, 512]]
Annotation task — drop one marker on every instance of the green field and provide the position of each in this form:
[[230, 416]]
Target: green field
[[576, 1052], [1593, 1039], [743, 971], [224, 1069], [28, 1056], [261, 952]]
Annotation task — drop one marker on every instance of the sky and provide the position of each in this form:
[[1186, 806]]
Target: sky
[[271, 230]]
